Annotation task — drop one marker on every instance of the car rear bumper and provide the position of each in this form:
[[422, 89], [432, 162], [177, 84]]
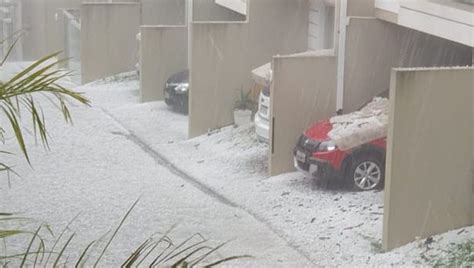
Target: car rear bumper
[[262, 128]]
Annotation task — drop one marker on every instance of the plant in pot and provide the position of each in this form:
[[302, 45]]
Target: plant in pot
[[243, 109]]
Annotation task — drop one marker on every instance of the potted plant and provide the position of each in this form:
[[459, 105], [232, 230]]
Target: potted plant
[[243, 109]]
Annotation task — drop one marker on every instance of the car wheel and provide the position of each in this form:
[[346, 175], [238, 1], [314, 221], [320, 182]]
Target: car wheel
[[366, 173]]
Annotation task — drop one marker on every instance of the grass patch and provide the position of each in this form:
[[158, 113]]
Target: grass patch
[[375, 244], [457, 255]]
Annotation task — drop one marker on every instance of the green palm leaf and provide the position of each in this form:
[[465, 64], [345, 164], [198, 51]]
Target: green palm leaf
[[18, 95]]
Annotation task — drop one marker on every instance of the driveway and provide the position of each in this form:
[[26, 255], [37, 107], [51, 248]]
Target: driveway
[[216, 185], [96, 168]]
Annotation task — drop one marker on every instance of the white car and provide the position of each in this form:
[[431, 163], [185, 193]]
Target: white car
[[262, 118]]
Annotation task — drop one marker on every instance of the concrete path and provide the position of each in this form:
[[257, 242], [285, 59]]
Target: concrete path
[[98, 169]]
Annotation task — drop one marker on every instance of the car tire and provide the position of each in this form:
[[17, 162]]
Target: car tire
[[183, 105], [367, 172], [168, 102]]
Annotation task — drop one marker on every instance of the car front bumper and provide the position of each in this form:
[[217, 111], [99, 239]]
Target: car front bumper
[[311, 170], [262, 128], [172, 98], [316, 169]]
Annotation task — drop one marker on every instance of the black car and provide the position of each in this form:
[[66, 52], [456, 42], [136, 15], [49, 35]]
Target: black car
[[177, 90]]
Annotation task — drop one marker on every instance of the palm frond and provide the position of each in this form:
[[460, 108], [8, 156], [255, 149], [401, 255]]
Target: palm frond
[[115, 232], [18, 93]]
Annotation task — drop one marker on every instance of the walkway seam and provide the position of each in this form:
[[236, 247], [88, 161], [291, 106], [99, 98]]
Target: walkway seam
[[163, 161]]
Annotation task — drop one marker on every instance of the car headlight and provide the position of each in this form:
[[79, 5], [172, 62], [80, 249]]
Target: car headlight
[[327, 146], [182, 88]]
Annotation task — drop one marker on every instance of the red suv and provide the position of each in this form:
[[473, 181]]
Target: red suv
[[363, 165]]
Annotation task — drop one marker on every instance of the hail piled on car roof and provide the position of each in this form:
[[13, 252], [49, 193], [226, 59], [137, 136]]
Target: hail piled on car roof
[[357, 128]]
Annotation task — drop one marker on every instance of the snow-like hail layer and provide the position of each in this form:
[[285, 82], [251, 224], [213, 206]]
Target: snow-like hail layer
[[357, 128], [95, 168], [9, 69]]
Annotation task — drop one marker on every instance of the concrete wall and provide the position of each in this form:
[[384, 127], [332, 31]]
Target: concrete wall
[[44, 28], [43, 31], [165, 47], [223, 55], [163, 52], [276, 27], [303, 92], [218, 71], [361, 8], [373, 47], [451, 20], [208, 10], [429, 179], [108, 39], [163, 12]]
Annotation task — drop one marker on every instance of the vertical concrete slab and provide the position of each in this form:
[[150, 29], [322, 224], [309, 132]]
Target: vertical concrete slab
[[43, 27], [361, 8], [163, 12], [276, 27], [164, 45], [373, 47], [303, 92], [53, 26], [429, 178], [163, 52], [208, 10], [224, 53], [108, 39], [218, 72]]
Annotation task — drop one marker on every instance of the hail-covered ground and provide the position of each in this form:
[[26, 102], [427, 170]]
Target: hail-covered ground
[[119, 151]]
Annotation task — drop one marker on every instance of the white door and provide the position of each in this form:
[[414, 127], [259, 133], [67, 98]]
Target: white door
[[316, 25], [320, 25]]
